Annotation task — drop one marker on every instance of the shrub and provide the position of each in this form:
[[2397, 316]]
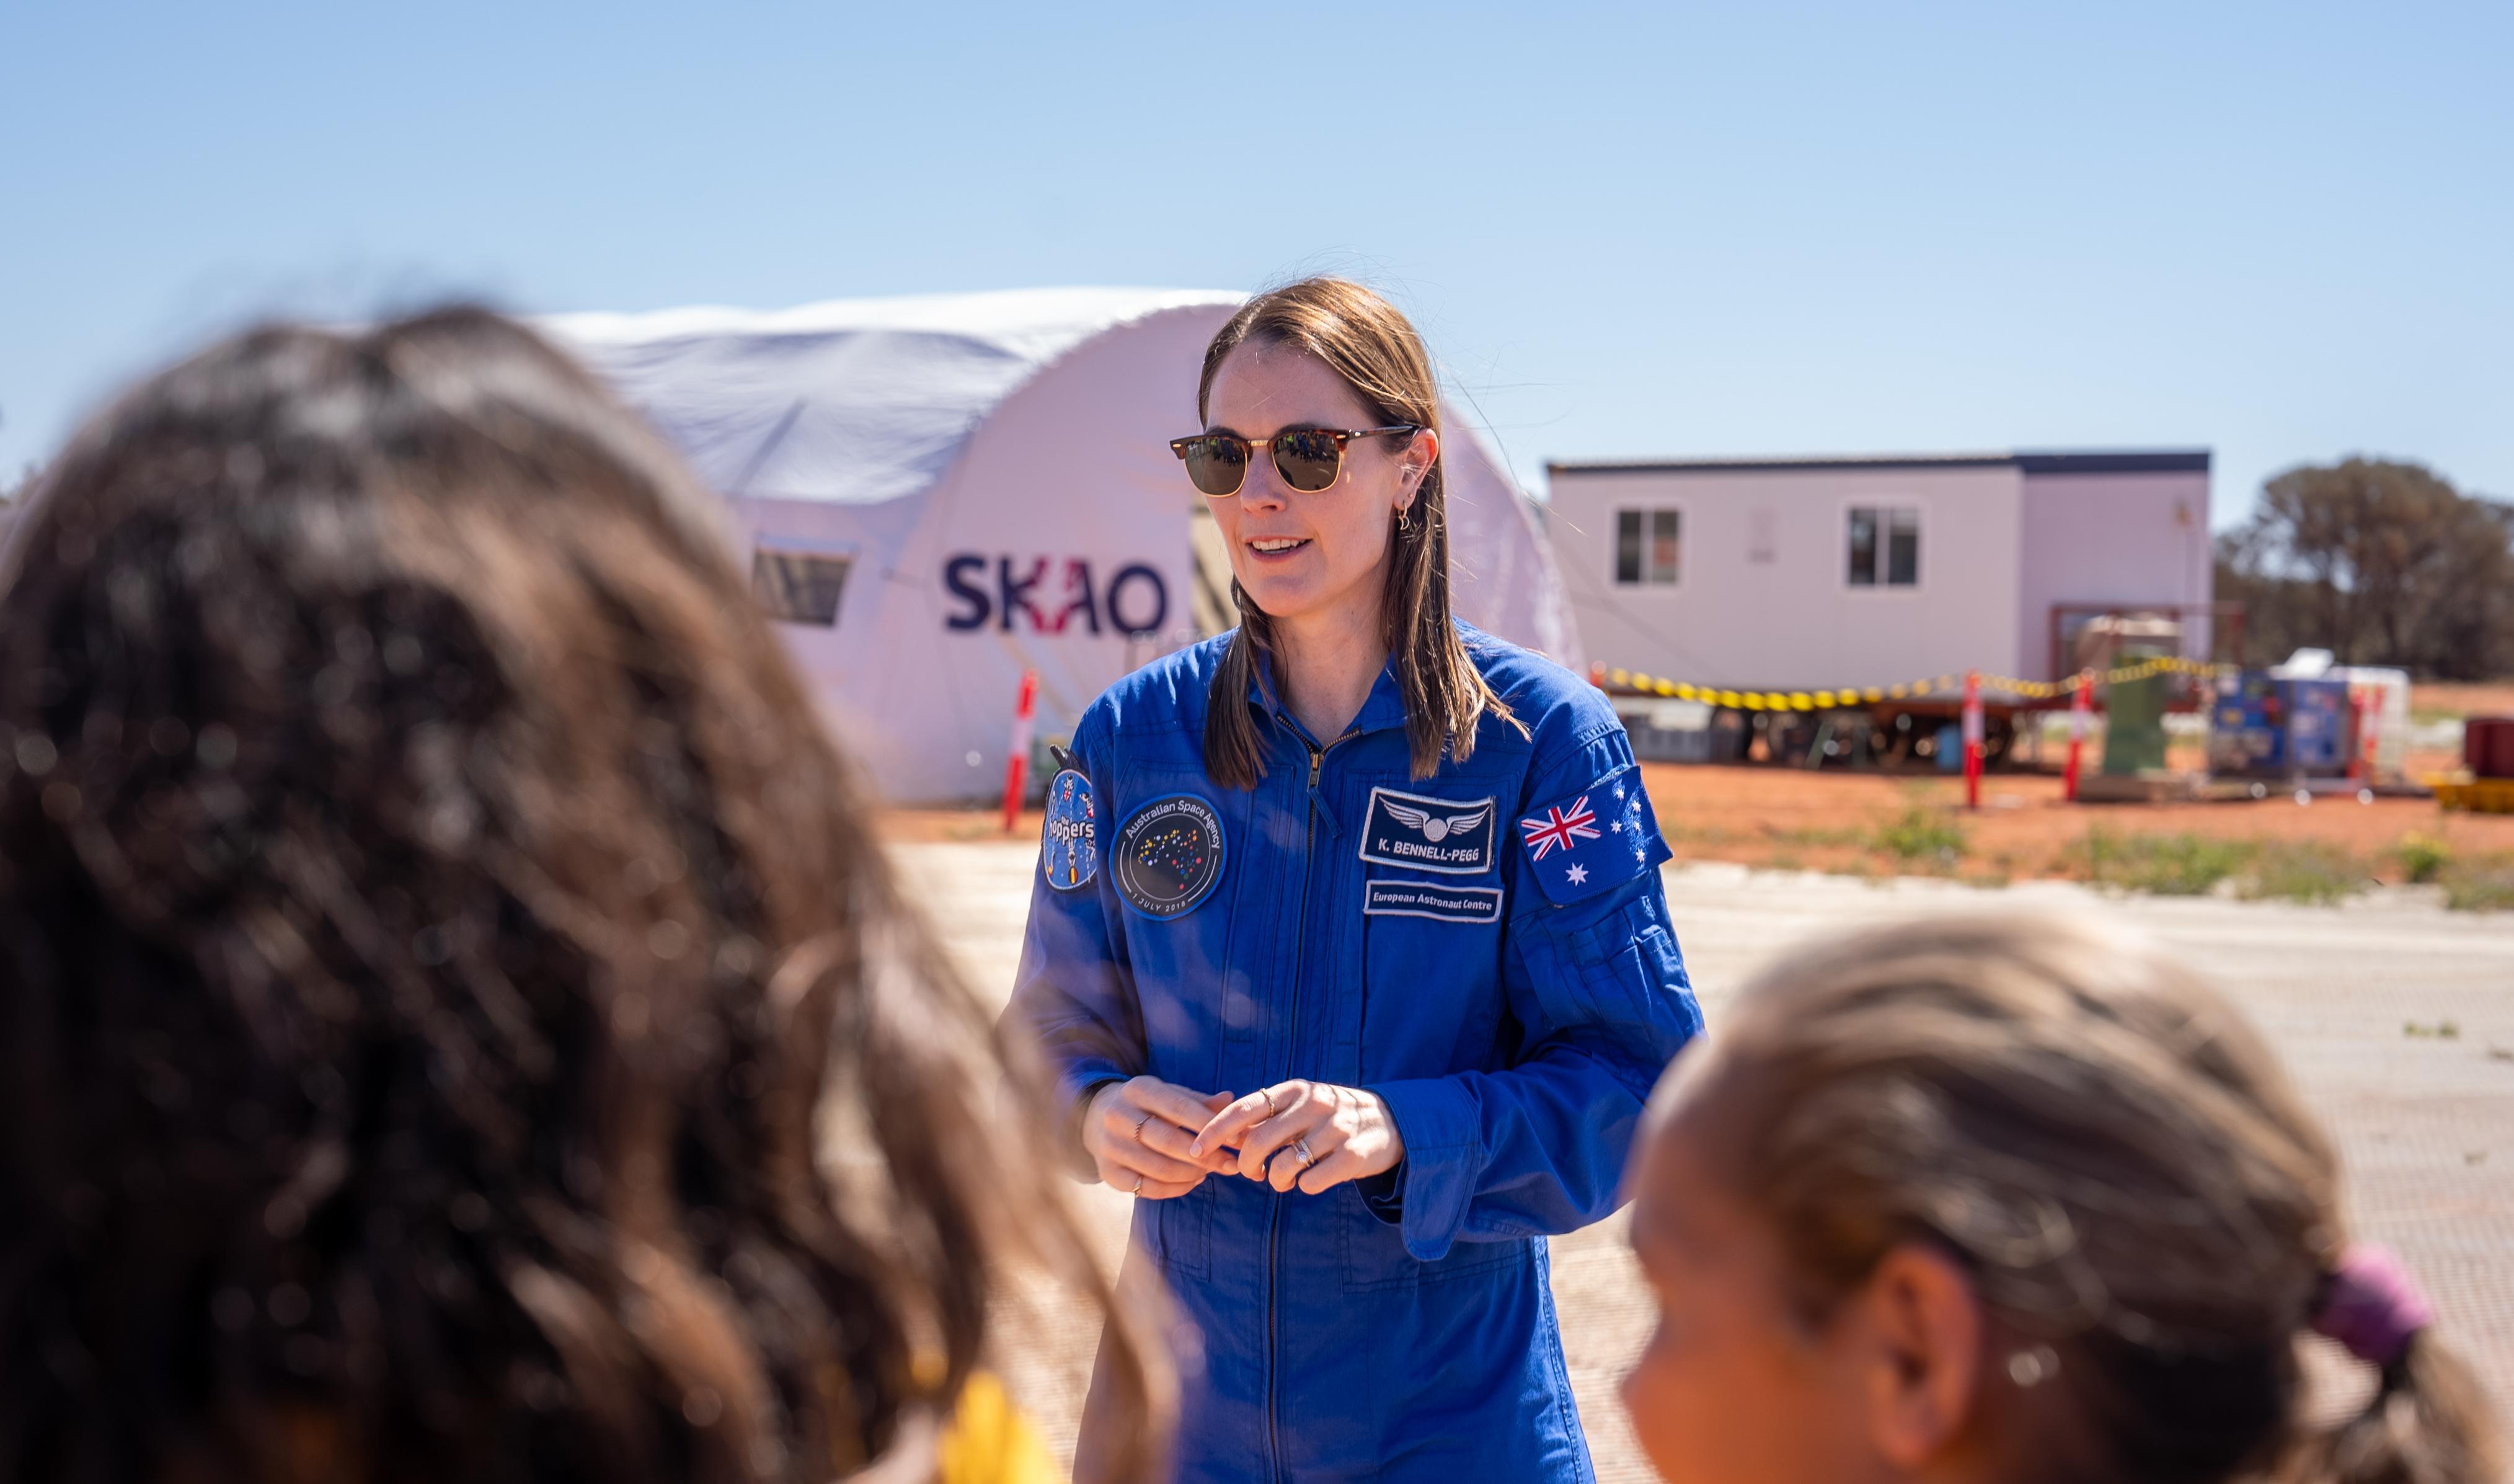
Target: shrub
[[2303, 871], [2478, 886], [1923, 833], [2168, 866], [2423, 857]]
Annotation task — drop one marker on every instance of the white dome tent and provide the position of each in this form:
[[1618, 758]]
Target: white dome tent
[[938, 493]]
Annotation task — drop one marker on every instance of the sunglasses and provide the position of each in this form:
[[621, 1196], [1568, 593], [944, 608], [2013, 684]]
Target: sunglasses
[[1308, 457]]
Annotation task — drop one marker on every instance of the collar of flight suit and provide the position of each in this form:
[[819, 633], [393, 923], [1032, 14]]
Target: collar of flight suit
[[1384, 706]]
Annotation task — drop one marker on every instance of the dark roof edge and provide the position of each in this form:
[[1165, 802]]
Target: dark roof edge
[[2161, 461], [2089, 462]]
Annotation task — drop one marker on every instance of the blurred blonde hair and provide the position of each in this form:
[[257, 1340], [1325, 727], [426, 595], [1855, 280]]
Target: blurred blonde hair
[[2114, 1154]]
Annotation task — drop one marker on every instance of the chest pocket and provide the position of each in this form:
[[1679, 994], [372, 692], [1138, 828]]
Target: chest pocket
[[1180, 959], [1432, 903]]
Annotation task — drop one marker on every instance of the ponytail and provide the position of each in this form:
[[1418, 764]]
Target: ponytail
[[2427, 1423]]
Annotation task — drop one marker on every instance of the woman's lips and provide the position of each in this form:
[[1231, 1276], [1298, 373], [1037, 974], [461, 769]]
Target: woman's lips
[[1298, 545]]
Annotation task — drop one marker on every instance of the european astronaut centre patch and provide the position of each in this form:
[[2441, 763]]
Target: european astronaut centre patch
[[1431, 898], [1168, 856], [1070, 843], [1603, 836], [1451, 836]]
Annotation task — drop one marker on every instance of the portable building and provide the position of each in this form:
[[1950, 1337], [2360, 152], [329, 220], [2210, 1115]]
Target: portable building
[[938, 493], [1805, 573]]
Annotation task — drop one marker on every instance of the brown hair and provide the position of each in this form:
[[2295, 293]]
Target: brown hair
[[1362, 338], [2113, 1153], [433, 928]]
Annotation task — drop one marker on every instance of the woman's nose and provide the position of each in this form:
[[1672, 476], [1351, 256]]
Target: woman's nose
[[1262, 487]]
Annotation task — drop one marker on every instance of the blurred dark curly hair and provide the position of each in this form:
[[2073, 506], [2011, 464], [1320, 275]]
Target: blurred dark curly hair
[[433, 928]]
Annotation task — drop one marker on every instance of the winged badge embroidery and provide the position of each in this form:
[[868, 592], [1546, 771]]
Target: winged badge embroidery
[[1436, 829]]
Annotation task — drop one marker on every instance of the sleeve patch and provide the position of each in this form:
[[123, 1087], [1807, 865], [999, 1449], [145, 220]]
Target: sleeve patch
[[1070, 844], [1600, 837]]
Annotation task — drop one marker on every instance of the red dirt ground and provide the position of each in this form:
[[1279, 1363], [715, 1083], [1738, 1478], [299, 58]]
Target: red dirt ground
[[2432, 697], [1793, 819], [1788, 818]]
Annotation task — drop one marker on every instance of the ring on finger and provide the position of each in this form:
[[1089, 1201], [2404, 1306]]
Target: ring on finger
[[1270, 1101], [1138, 1187], [1300, 1148], [1139, 1127]]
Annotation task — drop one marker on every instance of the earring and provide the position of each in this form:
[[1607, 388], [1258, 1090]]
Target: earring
[[2028, 1367], [1404, 527]]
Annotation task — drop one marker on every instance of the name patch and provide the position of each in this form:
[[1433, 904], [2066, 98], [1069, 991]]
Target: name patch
[[1168, 856], [1451, 836], [1431, 898]]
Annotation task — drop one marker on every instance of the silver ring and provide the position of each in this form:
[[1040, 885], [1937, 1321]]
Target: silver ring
[[1139, 1127], [1138, 1187], [1301, 1147]]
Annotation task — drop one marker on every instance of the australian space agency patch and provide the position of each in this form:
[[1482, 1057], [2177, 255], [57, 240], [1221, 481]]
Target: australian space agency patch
[[1168, 856], [1070, 845], [1603, 836]]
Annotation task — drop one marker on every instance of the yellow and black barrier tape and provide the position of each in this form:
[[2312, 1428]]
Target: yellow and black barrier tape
[[1935, 686]]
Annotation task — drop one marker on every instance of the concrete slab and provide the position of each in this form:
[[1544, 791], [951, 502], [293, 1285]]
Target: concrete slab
[[2356, 998]]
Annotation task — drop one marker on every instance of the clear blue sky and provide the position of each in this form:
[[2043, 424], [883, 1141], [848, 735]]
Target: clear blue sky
[[2286, 231]]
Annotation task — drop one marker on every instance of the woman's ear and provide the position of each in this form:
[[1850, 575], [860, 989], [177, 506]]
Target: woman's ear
[[1922, 1345], [1422, 451]]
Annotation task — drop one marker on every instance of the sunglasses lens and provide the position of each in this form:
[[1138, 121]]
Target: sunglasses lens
[[1306, 458], [1216, 465]]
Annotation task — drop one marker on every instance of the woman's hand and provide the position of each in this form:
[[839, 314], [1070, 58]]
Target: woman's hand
[[1137, 1133], [1311, 1135]]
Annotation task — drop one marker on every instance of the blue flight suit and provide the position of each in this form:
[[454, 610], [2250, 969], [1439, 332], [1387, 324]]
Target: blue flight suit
[[1487, 950]]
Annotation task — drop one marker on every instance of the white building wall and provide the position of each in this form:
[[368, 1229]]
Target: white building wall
[[1069, 480], [1501, 567], [1796, 622], [2128, 539]]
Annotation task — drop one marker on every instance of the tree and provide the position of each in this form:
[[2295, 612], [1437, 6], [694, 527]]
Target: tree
[[2381, 563]]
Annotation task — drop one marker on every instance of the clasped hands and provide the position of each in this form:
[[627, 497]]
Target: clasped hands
[[1158, 1139]]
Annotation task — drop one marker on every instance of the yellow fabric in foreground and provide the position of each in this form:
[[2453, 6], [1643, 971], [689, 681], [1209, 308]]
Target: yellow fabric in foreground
[[989, 1441]]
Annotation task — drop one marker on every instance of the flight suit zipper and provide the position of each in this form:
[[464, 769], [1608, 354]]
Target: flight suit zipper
[[1275, 1214]]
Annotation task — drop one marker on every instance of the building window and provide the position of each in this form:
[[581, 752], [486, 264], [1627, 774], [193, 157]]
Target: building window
[[1648, 547], [1884, 547], [799, 586]]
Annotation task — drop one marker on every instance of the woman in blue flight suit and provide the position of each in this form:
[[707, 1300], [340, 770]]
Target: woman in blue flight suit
[[1399, 878]]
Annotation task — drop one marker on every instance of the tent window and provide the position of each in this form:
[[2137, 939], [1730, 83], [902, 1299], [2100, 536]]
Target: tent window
[[1648, 547], [1884, 547], [799, 586]]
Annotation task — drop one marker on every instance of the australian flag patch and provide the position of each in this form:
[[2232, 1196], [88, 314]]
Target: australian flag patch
[[1600, 837]]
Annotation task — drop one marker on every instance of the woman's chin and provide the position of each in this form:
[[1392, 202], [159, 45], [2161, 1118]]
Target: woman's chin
[[1281, 595]]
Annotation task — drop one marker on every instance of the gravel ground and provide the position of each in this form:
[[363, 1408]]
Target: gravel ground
[[2353, 997]]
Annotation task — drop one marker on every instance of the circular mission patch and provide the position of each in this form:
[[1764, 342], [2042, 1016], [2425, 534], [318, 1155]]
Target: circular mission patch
[[1168, 856], [1070, 845]]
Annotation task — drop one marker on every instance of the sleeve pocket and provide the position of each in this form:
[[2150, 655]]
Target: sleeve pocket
[[1626, 962]]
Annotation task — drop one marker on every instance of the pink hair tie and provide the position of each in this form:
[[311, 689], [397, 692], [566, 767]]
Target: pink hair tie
[[2371, 1305]]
